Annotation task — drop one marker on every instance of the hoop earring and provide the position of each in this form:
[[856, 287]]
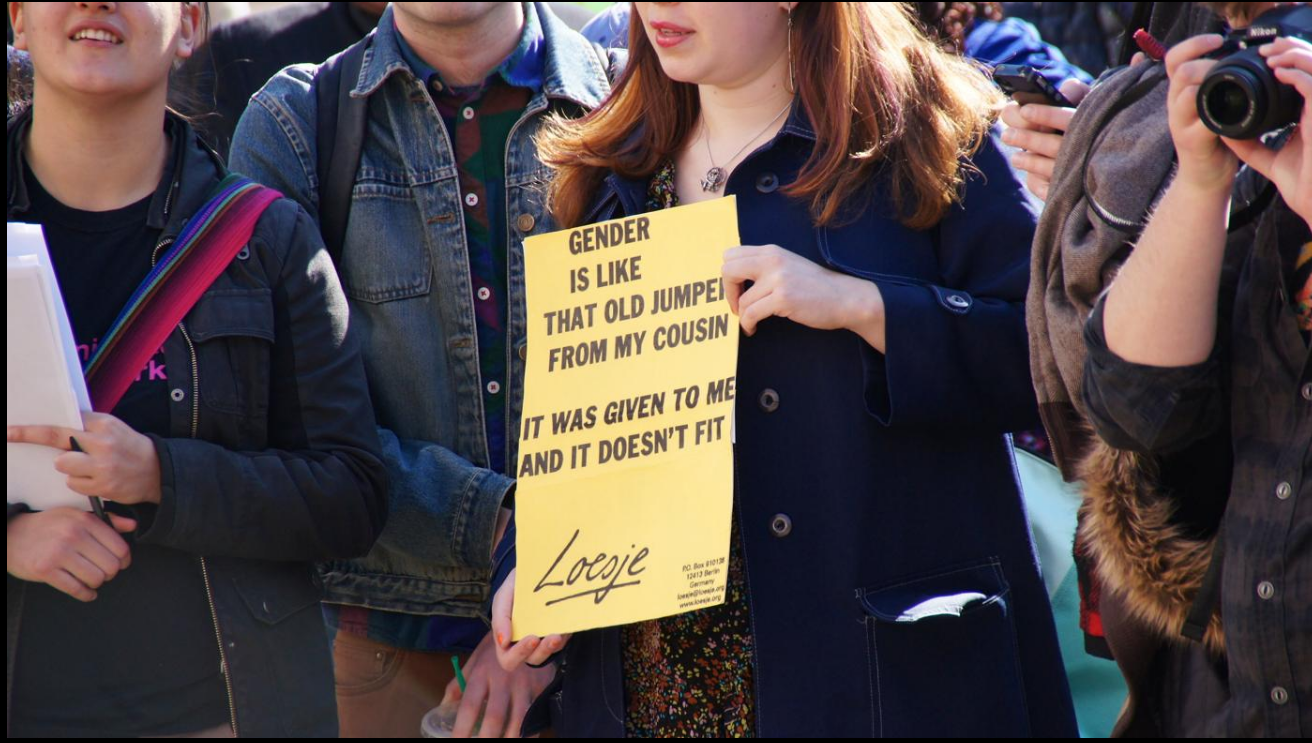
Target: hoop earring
[[792, 75]]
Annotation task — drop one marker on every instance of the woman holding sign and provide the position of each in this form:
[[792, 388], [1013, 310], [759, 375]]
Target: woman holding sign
[[233, 444], [881, 579]]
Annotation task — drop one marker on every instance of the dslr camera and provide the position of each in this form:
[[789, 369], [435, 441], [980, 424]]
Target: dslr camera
[[1240, 97]]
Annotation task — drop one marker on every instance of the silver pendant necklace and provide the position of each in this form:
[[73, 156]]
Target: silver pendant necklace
[[715, 177]]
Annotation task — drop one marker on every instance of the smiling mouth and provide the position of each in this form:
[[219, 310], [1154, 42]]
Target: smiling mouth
[[96, 34]]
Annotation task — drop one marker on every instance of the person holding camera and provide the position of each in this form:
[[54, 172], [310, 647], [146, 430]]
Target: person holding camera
[[1202, 336]]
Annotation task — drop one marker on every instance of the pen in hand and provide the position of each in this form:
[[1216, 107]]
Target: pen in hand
[[96, 504]]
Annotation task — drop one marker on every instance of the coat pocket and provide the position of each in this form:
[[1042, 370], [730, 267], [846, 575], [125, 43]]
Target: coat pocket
[[282, 671], [233, 332], [942, 655]]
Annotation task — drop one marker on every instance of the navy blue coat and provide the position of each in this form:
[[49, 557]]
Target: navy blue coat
[[867, 483]]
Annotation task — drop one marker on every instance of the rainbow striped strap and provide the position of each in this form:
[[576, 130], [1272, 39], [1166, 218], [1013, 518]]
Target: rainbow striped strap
[[203, 249]]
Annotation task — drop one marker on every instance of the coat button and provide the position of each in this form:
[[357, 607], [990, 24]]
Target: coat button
[[767, 182], [769, 400], [525, 222], [244, 253], [1265, 590], [958, 301], [1279, 695], [781, 525], [177, 394], [1284, 490], [1307, 391], [523, 352]]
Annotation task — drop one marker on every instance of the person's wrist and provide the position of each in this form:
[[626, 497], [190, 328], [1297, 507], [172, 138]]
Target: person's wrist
[[154, 491], [14, 553], [150, 459], [1206, 181], [865, 312]]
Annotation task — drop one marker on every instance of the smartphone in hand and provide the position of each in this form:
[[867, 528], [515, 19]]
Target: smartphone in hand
[[1025, 85]]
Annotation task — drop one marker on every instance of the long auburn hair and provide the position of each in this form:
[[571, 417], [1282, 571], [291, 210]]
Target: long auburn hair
[[879, 94]]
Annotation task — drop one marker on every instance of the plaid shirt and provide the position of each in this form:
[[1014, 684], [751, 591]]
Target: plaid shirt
[[1258, 382]]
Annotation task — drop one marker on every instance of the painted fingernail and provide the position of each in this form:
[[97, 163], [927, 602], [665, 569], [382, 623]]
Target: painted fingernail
[[501, 639]]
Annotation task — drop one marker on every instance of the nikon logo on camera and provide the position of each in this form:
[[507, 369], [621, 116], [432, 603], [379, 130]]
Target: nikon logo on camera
[[1240, 97]]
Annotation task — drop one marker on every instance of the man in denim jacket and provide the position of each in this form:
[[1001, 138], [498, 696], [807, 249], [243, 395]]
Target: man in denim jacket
[[448, 187]]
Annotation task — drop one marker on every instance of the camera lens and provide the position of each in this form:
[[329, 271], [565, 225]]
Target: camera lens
[[1231, 102], [1228, 103]]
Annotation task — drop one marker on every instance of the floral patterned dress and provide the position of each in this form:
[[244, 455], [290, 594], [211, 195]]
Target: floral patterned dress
[[690, 675]]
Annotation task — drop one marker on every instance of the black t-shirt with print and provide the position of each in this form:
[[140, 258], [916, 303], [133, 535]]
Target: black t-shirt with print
[[142, 658]]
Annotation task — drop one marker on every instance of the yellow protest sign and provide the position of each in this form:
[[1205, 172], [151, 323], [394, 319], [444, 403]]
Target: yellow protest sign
[[625, 472]]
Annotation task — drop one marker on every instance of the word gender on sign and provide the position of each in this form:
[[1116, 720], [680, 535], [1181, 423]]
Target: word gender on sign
[[624, 448], [612, 235]]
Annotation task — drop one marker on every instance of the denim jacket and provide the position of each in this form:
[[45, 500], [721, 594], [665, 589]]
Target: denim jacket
[[405, 270]]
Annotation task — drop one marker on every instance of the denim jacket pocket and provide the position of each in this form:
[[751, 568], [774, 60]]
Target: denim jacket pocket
[[385, 218], [942, 655]]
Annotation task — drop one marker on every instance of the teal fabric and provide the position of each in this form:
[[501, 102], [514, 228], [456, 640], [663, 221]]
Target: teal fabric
[[1097, 686]]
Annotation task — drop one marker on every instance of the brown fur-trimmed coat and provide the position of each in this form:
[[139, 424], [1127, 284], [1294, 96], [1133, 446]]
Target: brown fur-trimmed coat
[[1140, 554]]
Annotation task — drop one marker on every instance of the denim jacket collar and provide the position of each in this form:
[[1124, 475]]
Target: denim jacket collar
[[521, 68], [561, 74]]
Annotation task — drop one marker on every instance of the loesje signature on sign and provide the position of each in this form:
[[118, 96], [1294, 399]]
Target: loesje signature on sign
[[608, 570]]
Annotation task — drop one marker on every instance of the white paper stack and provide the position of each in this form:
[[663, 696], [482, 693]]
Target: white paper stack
[[43, 381]]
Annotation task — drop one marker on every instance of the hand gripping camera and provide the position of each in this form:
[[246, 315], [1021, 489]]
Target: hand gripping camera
[[1240, 97]]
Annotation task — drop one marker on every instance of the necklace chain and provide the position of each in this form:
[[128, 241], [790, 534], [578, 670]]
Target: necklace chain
[[715, 177]]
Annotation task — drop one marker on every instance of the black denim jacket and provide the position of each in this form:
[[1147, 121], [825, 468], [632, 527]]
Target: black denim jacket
[[273, 459]]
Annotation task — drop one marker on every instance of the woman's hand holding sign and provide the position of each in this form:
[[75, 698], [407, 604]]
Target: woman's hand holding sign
[[532, 650], [785, 284]]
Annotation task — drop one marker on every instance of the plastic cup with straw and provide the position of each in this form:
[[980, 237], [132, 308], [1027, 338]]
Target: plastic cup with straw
[[441, 720]]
